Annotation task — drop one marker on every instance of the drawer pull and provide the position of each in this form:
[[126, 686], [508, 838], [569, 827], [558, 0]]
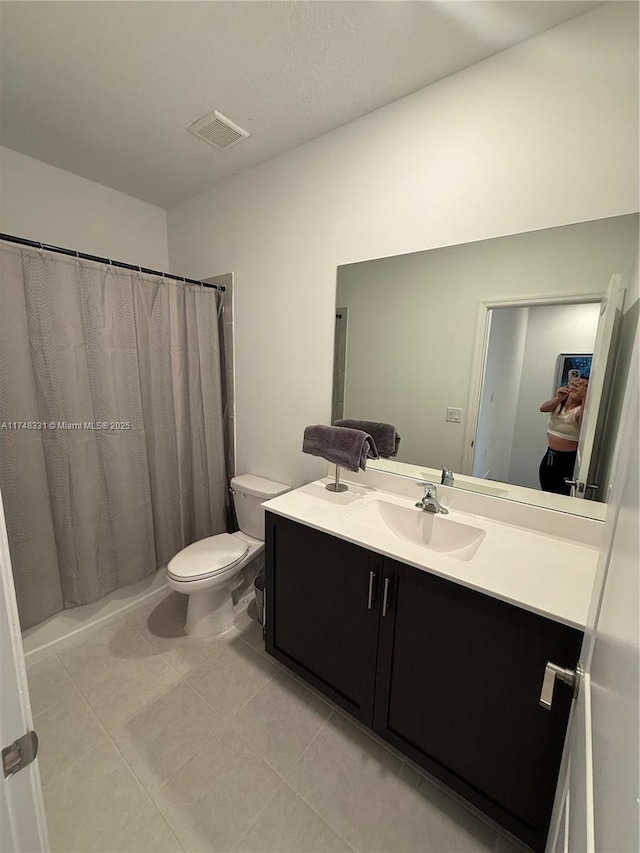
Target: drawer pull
[[385, 596], [372, 577]]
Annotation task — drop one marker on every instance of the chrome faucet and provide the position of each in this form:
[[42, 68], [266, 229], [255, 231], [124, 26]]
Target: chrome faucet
[[429, 501], [447, 477]]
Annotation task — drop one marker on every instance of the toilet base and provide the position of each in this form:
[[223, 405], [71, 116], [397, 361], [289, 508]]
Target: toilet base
[[209, 611]]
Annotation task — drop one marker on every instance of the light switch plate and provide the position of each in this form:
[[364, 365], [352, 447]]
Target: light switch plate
[[454, 416]]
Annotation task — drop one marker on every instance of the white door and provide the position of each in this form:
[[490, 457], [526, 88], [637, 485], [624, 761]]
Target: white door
[[599, 796], [595, 409], [22, 820]]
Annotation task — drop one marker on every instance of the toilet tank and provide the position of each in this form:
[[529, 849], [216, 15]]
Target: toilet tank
[[249, 493]]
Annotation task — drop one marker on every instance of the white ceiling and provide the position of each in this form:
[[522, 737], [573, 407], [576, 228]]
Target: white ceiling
[[107, 89]]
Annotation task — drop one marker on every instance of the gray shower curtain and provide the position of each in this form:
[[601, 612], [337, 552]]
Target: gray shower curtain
[[112, 454]]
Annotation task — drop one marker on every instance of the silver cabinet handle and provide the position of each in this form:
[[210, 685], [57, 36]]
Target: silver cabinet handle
[[372, 577], [385, 596], [553, 671]]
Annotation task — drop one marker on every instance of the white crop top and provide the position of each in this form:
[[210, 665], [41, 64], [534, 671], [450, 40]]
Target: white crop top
[[563, 424]]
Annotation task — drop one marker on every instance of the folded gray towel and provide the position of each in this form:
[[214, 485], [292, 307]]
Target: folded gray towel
[[349, 448], [385, 436]]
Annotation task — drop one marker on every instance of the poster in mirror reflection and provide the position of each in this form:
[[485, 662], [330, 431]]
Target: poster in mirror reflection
[[571, 368]]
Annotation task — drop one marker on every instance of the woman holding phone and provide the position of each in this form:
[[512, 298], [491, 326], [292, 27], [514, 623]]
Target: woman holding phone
[[563, 430]]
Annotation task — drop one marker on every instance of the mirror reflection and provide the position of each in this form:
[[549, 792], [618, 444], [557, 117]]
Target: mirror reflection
[[502, 363]]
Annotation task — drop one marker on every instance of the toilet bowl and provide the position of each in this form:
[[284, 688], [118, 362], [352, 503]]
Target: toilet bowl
[[207, 570]]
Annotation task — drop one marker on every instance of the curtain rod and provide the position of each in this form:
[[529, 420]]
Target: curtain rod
[[85, 257]]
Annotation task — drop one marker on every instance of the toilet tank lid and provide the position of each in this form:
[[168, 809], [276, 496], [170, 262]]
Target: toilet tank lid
[[249, 484]]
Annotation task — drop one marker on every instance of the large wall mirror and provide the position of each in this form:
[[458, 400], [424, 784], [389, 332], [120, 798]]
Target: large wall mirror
[[459, 347]]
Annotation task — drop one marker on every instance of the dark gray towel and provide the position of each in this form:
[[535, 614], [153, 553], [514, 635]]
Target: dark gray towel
[[349, 448], [385, 436]]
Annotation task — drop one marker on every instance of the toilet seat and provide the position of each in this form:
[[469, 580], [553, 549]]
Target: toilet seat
[[207, 558]]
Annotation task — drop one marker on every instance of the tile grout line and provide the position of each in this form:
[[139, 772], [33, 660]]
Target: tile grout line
[[304, 800], [313, 808], [240, 707], [324, 820], [226, 725], [226, 722], [182, 766], [247, 743], [143, 707], [181, 680], [74, 763], [374, 828], [58, 701], [262, 811], [84, 699], [166, 823], [284, 783], [110, 738]]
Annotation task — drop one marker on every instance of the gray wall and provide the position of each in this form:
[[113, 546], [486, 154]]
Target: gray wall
[[500, 392]]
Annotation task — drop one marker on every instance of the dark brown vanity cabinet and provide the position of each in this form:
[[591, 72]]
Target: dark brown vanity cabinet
[[449, 676], [319, 621]]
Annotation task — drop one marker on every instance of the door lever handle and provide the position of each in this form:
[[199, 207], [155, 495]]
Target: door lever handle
[[553, 671]]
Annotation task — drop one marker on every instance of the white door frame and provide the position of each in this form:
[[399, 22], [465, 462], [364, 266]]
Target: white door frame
[[604, 344], [481, 342], [574, 828], [22, 820]]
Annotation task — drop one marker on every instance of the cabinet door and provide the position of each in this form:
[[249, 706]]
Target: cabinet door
[[458, 690], [322, 602]]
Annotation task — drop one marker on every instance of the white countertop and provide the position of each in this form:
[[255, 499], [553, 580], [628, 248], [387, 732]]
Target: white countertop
[[545, 573]]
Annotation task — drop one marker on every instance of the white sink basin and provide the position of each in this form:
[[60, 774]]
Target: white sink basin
[[430, 530]]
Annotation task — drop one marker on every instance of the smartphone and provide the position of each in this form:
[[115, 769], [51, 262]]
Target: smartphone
[[573, 378]]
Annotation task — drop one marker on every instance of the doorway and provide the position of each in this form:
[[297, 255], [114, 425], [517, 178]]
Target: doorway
[[526, 349]]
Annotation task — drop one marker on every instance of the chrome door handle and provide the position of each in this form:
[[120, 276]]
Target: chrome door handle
[[570, 482], [553, 671], [385, 596], [372, 577]]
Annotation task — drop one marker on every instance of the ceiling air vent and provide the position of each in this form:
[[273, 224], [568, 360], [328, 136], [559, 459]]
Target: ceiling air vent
[[218, 130]]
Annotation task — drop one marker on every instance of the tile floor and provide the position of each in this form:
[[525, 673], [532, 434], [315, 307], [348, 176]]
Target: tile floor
[[153, 742]]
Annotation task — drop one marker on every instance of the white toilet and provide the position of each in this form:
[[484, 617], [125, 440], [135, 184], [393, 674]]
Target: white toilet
[[206, 571]]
